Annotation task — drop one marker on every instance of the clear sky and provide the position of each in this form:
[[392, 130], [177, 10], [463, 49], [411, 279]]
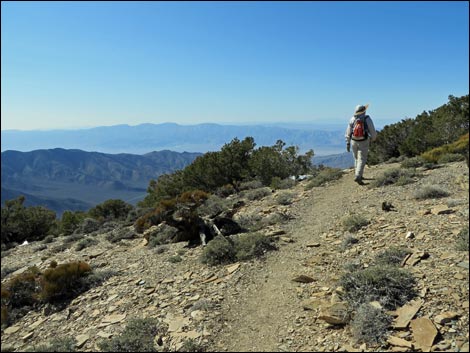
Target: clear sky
[[83, 64]]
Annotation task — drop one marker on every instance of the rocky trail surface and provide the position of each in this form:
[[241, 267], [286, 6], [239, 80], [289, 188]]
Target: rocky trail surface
[[282, 301]]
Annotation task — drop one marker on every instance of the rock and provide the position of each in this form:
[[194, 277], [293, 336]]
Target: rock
[[114, 319], [104, 334], [441, 209], [81, 340], [303, 279], [313, 245], [409, 235], [313, 303], [446, 317], [95, 253], [463, 264], [400, 342], [27, 336], [11, 329], [232, 268], [406, 313], [287, 239], [424, 333], [335, 314]]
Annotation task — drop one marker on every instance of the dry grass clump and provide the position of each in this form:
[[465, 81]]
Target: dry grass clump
[[223, 250], [430, 192], [370, 324], [390, 286], [392, 256], [355, 222], [257, 194], [413, 162], [285, 198], [325, 175], [86, 242], [462, 240], [395, 176], [62, 344]]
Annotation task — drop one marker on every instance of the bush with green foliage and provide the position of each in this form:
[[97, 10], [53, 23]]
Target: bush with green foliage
[[412, 137], [111, 210], [285, 198], [389, 285], [280, 184], [70, 221], [20, 223], [237, 162], [257, 194], [138, 336], [430, 192], [85, 243], [370, 325]]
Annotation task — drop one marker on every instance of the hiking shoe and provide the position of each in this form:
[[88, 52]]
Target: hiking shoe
[[358, 180]]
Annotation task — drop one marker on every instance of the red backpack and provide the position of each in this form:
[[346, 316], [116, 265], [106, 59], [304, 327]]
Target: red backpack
[[359, 130]]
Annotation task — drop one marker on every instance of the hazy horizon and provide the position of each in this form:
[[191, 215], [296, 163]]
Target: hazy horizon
[[88, 64]]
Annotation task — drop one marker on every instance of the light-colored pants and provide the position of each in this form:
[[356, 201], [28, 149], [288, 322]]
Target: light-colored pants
[[360, 151]]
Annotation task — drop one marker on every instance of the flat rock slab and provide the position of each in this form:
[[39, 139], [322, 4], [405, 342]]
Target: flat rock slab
[[406, 313], [442, 209], [424, 333]]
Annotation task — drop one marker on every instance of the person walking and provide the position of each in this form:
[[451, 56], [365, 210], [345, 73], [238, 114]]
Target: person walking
[[359, 133]]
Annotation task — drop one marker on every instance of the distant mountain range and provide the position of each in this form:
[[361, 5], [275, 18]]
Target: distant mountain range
[[144, 138], [63, 179]]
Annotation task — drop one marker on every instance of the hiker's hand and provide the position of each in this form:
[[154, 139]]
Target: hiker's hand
[[348, 147]]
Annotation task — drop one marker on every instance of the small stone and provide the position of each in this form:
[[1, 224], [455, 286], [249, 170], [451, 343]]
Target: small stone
[[446, 317], [442, 209], [459, 276], [400, 342], [313, 245], [27, 337], [409, 235], [114, 319], [463, 264], [303, 279]]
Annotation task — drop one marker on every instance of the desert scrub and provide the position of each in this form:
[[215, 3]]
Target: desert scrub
[[250, 245], [348, 240], [138, 336], [430, 192], [120, 234], [395, 160], [49, 239], [73, 238], [213, 206], [175, 259], [392, 256], [413, 162], [451, 157], [191, 345], [84, 243], [389, 285], [220, 250], [250, 185], [280, 184], [64, 344], [6, 270], [63, 281], [324, 176], [250, 221], [370, 325], [223, 250], [392, 176], [285, 197], [462, 240], [257, 194], [353, 223]]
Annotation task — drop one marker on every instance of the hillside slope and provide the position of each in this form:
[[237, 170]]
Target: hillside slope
[[256, 305], [73, 179]]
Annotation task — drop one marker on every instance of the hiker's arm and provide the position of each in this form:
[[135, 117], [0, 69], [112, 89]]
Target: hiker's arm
[[348, 133]]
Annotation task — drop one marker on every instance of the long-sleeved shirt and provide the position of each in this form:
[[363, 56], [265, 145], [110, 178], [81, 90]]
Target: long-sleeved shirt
[[370, 128]]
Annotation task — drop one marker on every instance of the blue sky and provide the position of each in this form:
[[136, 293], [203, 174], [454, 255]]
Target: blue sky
[[83, 64]]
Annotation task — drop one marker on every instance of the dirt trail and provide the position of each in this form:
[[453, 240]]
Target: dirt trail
[[261, 317]]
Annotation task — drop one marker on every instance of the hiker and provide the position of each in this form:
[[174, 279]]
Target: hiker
[[361, 132]]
